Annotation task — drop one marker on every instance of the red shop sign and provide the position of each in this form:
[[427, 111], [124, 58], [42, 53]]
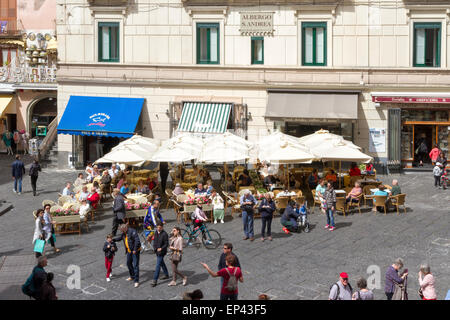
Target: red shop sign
[[410, 99]]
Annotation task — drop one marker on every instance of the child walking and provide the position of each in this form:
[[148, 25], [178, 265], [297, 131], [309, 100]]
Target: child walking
[[437, 172], [110, 249]]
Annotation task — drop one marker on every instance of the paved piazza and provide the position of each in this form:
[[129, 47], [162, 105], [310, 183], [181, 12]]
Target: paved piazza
[[298, 266]]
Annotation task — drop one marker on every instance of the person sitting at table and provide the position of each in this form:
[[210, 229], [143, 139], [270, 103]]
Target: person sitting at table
[[354, 194], [209, 187], [369, 168], [331, 176], [320, 192], [199, 190], [125, 189], [122, 179], [113, 172], [313, 179], [244, 179], [153, 183], [84, 194], [93, 198], [178, 190], [354, 170], [105, 181], [395, 188], [96, 172], [84, 209], [382, 192], [142, 188], [67, 191], [80, 181], [89, 172]]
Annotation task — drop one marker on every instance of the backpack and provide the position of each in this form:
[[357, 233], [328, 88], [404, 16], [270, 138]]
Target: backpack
[[232, 281], [28, 287], [339, 290]]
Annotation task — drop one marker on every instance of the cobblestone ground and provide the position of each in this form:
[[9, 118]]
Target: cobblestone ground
[[299, 266]]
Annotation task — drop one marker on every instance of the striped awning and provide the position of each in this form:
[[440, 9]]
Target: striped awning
[[209, 117]]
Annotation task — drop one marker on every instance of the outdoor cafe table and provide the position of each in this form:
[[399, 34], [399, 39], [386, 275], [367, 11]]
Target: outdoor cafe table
[[363, 182], [340, 192], [376, 189], [136, 196]]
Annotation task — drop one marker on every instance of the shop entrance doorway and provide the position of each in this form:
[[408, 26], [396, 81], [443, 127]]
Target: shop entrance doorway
[[427, 134]]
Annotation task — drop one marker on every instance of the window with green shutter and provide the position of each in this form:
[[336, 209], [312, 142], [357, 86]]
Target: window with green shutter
[[427, 44], [208, 43], [108, 42], [314, 43], [257, 50]]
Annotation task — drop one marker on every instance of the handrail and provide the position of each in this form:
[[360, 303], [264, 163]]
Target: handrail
[[49, 138]]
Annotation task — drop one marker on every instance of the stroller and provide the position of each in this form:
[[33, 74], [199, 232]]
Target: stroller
[[302, 220]]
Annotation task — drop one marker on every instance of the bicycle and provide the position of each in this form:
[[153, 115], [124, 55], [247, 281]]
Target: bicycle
[[145, 244], [211, 238]]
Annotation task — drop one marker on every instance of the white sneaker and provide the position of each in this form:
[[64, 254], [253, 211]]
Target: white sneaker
[[19, 193], [215, 221], [108, 279], [221, 221], [136, 284], [14, 191], [110, 275]]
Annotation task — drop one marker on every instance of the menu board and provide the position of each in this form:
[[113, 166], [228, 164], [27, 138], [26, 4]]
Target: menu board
[[377, 140]]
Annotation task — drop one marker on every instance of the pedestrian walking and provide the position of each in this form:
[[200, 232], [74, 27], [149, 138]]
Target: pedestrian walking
[[132, 246], [176, 248], [118, 210], [230, 274], [34, 173], [330, 201], [48, 291], [110, 249], [341, 290], [363, 293], [7, 138], [248, 202], [24, 137], [437, 173], [393, 278], [33, 286], [39, 233], [227, 250], [218, 206], [422, 149], [163, 173], [266, 209], [18, 170], [427, 289], [49, 228], [434, 153], [160, 244]]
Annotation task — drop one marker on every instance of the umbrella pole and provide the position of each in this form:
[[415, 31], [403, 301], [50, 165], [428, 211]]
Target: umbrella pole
[[340, 174]]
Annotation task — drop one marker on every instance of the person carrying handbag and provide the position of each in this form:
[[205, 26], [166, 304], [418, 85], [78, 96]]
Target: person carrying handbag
[[39, 233], [176, 248]]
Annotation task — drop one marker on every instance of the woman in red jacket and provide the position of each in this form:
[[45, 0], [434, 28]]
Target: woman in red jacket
[[434, 154], [93, 198]]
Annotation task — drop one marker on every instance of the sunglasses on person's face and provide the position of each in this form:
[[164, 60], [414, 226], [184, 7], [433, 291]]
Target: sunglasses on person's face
[[345, 279], [225, 248]]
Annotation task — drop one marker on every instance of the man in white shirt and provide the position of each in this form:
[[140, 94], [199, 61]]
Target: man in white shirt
[[113, 171], [67, 191], [84, 209], [84, 194]]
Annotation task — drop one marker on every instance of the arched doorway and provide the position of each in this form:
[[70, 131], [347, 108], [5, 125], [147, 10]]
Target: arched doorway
[[41, 113]]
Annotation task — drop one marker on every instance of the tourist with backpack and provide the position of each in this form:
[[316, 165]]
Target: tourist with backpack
[[33, 286], [230, 275], [363, 293], [341, 290], [34, 173]]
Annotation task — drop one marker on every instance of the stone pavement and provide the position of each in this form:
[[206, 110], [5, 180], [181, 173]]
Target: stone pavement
[[296, 266]]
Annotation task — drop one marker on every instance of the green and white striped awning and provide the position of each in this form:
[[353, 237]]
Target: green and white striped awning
[[207, 117]]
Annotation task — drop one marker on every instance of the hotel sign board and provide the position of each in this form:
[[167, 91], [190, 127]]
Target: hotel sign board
[[410, 99], [256, 24]]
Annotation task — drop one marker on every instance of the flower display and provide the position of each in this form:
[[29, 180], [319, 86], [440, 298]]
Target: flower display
[[202, 199], [137, 206], [64, 212]]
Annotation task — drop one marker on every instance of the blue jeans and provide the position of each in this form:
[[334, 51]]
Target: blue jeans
[[330, 217], [133, 265], [247, 219], [20, 184], [160, 264]]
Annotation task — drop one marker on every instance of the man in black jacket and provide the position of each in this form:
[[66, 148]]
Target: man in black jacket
[[132, 249], [119, 210], [289, 218], [18, 170], [160, 243], [227, 249]]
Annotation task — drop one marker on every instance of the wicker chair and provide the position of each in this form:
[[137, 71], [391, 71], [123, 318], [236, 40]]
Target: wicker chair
[[55, 207], [170, 196], [64, 199], [367, 194], [341, 205], [178, 207], [315, 200], [231, 202], [399, 200], [356, 204], [50, 202], [380, 201], [281, 203]]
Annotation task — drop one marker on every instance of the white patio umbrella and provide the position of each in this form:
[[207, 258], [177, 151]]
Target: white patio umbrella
[[223, 148], [280, 148], [323, 136], [338, 150], [181, 148], [126, 155], [138, 142]]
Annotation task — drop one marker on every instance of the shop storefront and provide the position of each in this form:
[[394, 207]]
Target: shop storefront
[[413, 119], [301, 113], [97, 124]]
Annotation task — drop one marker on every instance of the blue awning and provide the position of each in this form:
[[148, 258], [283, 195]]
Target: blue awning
[[101, 116]]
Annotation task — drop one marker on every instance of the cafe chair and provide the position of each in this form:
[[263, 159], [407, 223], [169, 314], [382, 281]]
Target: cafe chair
[[231, 202], [352, 204], [169, 195], [380, 201], [399, 200], [367, 194], [50, 202], [341, 205], [316, 201]]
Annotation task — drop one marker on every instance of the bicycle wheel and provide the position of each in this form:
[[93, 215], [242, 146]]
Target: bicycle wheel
[[186, 235], [212, 239], [144, 243]]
